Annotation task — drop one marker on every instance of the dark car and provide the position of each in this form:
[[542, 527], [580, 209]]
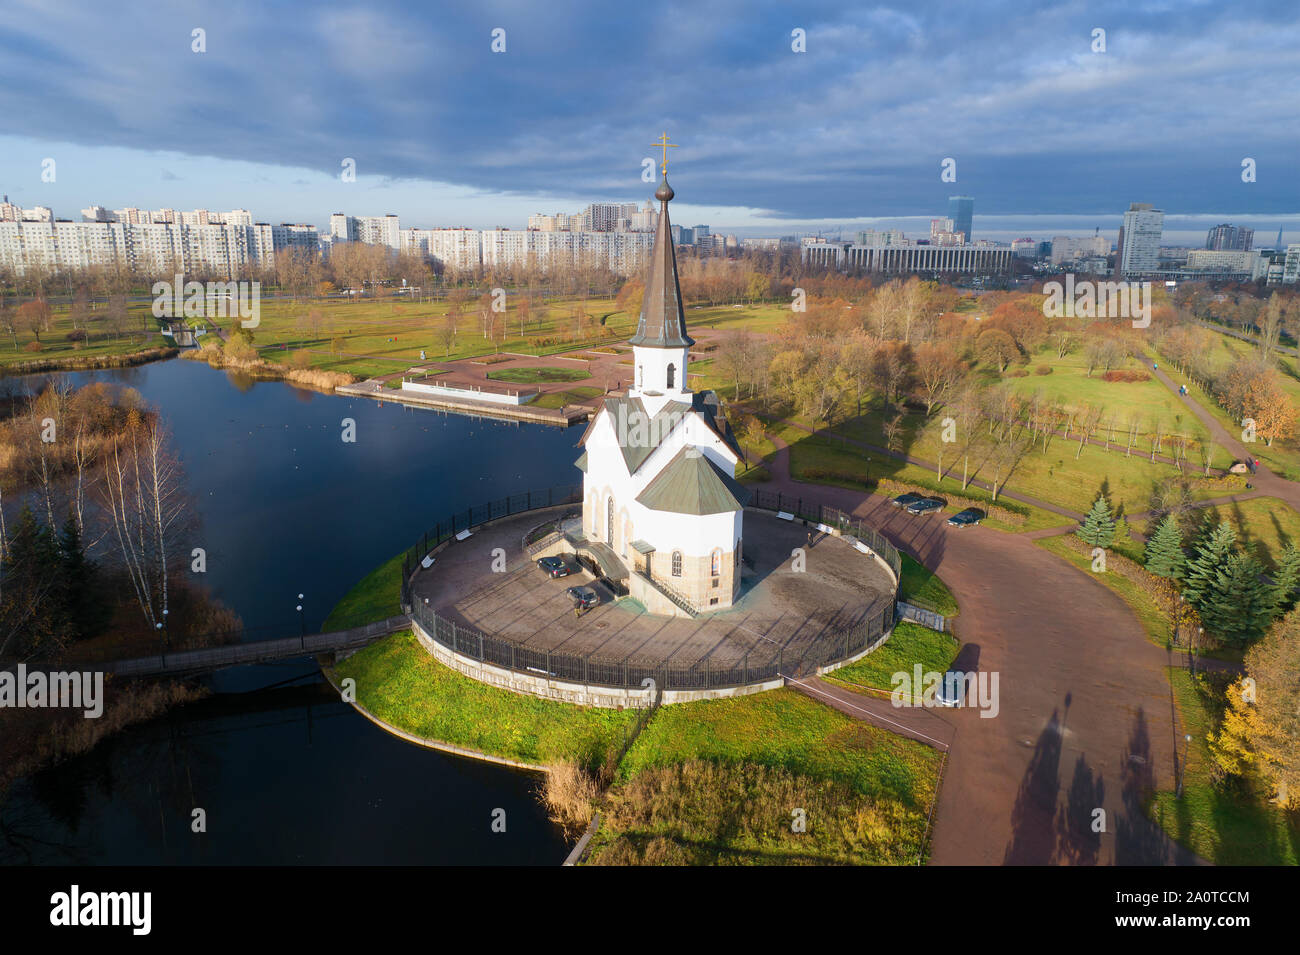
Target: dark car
[[584, 598], [925, 505], [967, 518], [555, 566], [905, 500]]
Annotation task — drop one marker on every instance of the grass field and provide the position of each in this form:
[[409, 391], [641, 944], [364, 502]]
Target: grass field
[[403, 685], [718, 782], [570, 396], [1227, 825], [536, 376], [1263, 524]]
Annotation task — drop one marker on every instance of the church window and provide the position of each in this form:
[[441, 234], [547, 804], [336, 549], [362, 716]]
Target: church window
[[672, 370], [677, 563], [715, 563]]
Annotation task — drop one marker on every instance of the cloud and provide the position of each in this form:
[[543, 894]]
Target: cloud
[[857, 125]]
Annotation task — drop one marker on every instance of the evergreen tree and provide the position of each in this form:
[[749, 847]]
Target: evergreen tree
[[32, 617], [1098, 528], [1212, 551], [86, 605], [1285, 580], [1238, 607], [1164, 555]]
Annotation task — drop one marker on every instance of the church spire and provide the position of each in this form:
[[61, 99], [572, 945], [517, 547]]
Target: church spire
[[662, 323]]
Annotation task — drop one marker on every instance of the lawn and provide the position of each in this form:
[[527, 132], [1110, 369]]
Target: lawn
[[403, 685], [570, 396], [921, 587], [718, 782], [1223, 824], [536, 376], [1263, 524], [909, 645]]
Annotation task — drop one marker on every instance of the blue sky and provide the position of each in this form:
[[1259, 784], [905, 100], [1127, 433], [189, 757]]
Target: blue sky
[[1048, 135]]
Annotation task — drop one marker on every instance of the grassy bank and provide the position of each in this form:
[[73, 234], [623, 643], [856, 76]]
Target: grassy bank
[[909, 645], [400, 683], [1225, 824], [718, 782], [375, 597], [921, 586]]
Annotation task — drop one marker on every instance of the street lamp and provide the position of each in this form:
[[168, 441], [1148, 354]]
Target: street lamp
[[302, 623], [1187, 744]]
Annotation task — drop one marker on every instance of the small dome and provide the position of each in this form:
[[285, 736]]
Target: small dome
[[665, 192]]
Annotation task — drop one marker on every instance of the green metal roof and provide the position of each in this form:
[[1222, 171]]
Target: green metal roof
[[692, 484], [582, 462]]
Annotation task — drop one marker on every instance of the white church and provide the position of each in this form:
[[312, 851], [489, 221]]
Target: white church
[[660, 499]]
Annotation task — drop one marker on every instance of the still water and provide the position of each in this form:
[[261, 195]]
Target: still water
[[285, 773]]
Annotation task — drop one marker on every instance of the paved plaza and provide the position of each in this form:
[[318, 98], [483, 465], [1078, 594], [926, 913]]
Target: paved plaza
[[780, 607]]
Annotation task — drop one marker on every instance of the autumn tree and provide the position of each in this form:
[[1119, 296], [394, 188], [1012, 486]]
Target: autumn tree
[[997, 348]]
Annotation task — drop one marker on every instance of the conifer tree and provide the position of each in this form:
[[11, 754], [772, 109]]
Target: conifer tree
[[1098, 528], [1212, 551], [1237, 607], [1164, 555], [1285, 580]]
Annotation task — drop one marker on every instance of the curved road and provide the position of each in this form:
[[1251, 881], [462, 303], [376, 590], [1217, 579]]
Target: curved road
[[1086, 720]]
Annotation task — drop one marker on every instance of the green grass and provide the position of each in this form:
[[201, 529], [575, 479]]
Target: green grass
[[377, 596], [920, 586], [570, 396], [716, 782], [1227, 825], [403, 685], [534, 376], [909, 645], [1263, 524]]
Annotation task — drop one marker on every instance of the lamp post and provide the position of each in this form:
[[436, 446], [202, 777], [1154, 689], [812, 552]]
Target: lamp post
[[302, 623], [1182, 775]]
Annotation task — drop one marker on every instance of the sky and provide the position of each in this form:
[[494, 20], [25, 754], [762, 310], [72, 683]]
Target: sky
[[1049, 135]]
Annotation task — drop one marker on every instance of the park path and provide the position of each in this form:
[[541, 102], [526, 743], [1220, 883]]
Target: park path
[[1085, 719]]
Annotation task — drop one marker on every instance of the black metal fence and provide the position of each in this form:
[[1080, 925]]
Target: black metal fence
[[480, 514], [756, 665], [810, 510]]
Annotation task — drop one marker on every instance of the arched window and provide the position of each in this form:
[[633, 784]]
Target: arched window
[[609, 521], [715, 563], [672, 370], [640, 376], [677, 563]]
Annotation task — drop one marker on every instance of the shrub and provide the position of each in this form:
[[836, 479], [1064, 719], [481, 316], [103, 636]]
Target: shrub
[[1125, 376], [1043, 370], [33, 346], [77, 335], [300, 359]]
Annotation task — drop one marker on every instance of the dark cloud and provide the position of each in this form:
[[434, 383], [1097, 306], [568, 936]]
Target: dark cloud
[[857, 125]]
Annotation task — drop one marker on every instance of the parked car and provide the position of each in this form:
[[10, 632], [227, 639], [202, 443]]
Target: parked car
[[953, 688], [967, 518], [925, 505], [584, 598], [556, 566], [903, 500]]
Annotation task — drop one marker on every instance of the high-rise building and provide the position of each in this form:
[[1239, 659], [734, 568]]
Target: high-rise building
[[372, 230], [1139, 240], [1229, 238], [961, 210]]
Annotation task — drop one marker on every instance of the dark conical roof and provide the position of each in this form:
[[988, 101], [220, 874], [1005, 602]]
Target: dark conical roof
[[662, 323]]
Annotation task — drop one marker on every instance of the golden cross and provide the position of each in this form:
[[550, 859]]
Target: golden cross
[[664, 144]]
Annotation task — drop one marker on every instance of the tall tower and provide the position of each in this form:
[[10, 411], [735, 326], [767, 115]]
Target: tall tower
[[961, 210], [660, 346]]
